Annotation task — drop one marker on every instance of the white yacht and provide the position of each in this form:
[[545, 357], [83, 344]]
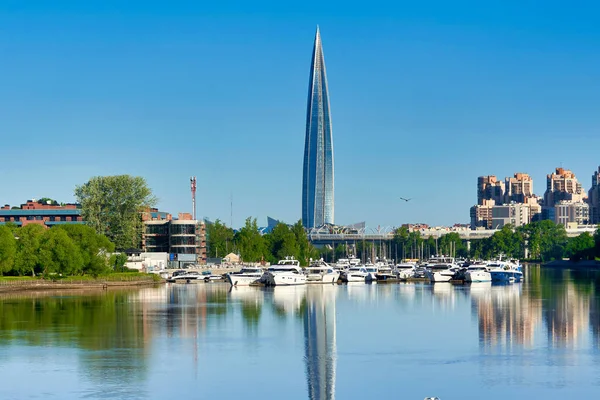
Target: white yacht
[[441, 268], [477, 273], [342, 264], [245, 276], [440, 272], [356, 274], [321, 272], [354, 262], [406, 270], [372, 270], [285, 272], [185, 276], [385, 273]]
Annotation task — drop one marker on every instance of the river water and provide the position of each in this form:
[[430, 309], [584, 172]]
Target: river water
[[536, 339]]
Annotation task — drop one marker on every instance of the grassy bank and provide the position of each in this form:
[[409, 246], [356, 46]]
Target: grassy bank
[[12, 283]]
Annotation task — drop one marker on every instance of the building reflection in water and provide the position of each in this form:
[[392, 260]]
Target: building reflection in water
[[506, 315], [558, 301], [320, 341]]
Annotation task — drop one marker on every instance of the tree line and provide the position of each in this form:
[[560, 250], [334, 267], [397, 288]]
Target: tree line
[[540, 241], [252, 246], [62, 250]]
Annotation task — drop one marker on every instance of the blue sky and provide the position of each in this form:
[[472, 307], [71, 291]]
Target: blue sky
[[425, 97]]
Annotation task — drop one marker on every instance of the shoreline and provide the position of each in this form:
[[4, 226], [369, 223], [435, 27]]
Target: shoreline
[[566, 264], [25, 286]]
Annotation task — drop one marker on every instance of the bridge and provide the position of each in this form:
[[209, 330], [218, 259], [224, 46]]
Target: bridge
[[321, 238]]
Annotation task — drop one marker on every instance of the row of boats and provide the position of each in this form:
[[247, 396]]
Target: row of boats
[[436, 269]]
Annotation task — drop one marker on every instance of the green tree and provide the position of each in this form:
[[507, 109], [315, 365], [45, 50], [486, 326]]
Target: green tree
[[282, 242], [47, 200], [219, 239], [8, 250], [507, 241], [112, 206], [452, 244], [306, 250], [249, 241], [28, 249], [117, 261], [581, 247], [59, 254], [94, 248]]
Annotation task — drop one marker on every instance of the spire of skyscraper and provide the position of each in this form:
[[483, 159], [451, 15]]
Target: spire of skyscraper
[[317, 179]]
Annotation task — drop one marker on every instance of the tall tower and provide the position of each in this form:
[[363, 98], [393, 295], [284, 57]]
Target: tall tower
[[193, 188], [317, 178]]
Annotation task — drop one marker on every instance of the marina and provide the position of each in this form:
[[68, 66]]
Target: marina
[[530, 339]]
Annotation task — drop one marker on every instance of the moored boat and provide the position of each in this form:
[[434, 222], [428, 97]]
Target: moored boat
[[321, 272], [245, 277], [285, 272], [477, 273]]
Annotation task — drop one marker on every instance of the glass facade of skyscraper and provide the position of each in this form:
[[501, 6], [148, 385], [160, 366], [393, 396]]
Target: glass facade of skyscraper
[[317, 180]]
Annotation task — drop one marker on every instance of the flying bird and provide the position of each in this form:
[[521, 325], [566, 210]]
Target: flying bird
[[402, 198]]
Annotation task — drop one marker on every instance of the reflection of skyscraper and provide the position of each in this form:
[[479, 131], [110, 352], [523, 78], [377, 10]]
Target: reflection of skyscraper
[[317, 179], [319, 342]]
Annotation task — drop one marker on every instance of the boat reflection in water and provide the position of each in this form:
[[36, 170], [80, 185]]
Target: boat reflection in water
[[320, 341]]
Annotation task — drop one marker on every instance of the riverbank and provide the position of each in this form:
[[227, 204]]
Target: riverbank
[[73, 283], [567, 264]]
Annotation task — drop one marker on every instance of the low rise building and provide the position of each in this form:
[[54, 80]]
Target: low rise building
[[183, 238], [45, 214]]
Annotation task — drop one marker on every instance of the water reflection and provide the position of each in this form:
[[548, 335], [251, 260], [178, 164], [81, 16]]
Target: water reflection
[[112, 342], [561, 305], [319, 341]]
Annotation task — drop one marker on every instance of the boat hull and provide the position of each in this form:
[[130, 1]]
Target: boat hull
[[506, 276], [323, 278], [440, 276], [355, 277], [283, 279], [478, 276], [242, 280]]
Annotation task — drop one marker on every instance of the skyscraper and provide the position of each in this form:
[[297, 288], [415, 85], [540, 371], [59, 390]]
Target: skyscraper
[[317, 177]]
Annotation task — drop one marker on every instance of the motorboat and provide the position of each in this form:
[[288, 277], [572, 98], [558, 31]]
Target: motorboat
[[441, 272], [406, 270], [285, 272], [477, 273], [386, 273], [356, 274], [342, 264], [185, 276], [505, 271], [372, 270], [321, 272], [245, 277]]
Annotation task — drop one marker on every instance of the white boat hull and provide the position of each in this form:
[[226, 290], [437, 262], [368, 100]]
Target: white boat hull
[[441, 276], [354, 277], [478, 276], [323, 278], [283, 279], [406, 273], [242, 280]]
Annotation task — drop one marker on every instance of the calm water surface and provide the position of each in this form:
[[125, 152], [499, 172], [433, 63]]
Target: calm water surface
[[403, 341]]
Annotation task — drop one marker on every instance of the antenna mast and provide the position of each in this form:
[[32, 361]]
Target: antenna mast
[[193, 187]]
